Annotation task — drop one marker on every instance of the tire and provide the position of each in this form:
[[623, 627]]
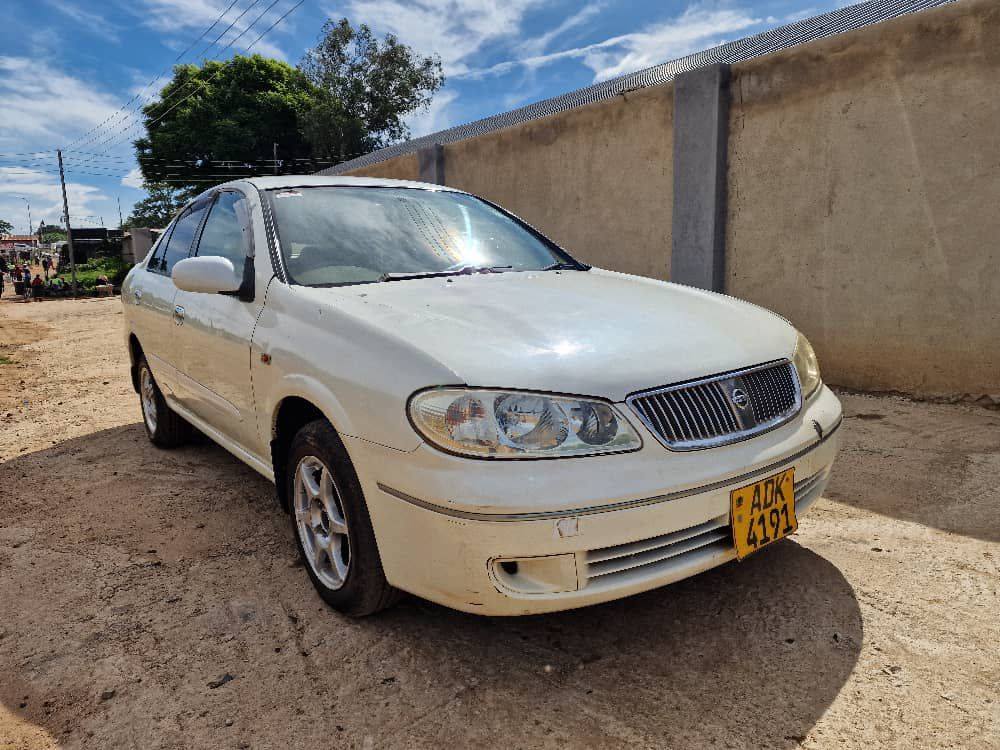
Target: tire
[[165, 428], [332, 527]]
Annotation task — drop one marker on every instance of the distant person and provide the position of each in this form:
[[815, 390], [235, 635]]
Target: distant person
[[46, 265], [37, 287]]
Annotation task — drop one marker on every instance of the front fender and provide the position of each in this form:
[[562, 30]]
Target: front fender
[[297, 385], [358, 375]]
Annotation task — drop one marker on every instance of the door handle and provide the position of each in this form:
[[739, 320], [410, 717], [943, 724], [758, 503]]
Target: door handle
[[178, 314], [137, 293]]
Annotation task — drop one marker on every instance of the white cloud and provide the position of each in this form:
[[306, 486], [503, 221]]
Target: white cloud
[[185, 20], [454, 29], [92, 22], [697, 28], [538, 44], [42, 191], [435, 117], [133, 179], [44, 106]]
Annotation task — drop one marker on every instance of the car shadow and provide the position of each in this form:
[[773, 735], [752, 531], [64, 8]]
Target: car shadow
[[155, 599], [747, 655]]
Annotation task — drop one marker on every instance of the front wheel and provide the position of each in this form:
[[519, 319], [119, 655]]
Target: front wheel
[[332, 525], [165, 428]]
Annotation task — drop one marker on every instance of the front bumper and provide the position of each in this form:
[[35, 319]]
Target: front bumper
[[582, 530]]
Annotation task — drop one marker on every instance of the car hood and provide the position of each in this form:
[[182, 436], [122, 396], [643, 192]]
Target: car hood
[[595, 333]]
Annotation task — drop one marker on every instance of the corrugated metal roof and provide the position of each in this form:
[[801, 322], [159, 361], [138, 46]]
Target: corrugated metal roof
[[773, 40]]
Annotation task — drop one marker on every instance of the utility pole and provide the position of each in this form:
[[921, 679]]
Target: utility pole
[[121, 223], [69, 232], [275, 154], [31, 229], [33, 250]]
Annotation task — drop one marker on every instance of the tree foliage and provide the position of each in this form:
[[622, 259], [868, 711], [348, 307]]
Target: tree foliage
[[220, 121], [157, 208], [6, 227], [367, 88], [50, 232], [212, 121]]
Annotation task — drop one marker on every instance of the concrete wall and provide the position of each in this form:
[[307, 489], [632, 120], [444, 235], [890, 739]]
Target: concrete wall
[[863, 193], [136, 243], [403, 167], [864, 198], [598, 179]]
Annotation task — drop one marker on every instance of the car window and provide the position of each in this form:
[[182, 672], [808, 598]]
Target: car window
[[179, 244], [158, 248], [223, 232], [348, 235]]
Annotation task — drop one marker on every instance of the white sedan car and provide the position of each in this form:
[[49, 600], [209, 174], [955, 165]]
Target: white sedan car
[[449, 404]]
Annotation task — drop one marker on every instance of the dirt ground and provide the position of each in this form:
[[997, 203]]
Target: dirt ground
[[152, 599]]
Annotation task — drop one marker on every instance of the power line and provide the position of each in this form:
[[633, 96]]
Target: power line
[[194, 81], [219, 72], [226, 30], [157, 77], [134, 111]]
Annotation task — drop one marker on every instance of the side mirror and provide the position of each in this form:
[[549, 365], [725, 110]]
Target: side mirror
[[207, 273]]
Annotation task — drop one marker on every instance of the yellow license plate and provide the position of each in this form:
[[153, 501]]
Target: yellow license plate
[[763, 512]]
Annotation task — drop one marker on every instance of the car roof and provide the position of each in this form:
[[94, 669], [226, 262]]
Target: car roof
[[315, 180]]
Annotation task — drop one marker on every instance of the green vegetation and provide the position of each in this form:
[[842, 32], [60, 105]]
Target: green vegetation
[[5, 360], [6, 227], [157, 208], [366, 89], [221, 120], [88, 273], [51, 233]]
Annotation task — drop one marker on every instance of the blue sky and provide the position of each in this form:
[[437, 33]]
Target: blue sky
[[67, 66]]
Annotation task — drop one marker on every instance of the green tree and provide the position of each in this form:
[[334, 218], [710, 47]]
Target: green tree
[[50, 233], [6, 227], [210, 122], [157, 208], [367, 89]]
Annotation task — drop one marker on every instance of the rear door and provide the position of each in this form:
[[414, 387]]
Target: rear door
[[153, 294], [216, 330]]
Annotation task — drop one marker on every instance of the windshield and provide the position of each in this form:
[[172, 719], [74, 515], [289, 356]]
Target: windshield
[[350, 235]]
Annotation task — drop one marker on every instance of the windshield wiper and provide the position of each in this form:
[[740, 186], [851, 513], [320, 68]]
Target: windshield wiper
[[463, 271], [563, 266]]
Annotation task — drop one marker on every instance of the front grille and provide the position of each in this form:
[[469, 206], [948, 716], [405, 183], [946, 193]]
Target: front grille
[[680, 553], [652, 553], [720, 409]]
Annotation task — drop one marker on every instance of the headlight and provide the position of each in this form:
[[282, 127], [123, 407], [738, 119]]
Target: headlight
[[513, 424], [807, 366]]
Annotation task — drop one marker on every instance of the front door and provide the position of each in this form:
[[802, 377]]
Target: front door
[[153, 293], [216, 330]]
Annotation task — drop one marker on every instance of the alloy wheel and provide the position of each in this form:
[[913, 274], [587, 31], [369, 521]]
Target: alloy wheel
[[147, 396], [320, 521]]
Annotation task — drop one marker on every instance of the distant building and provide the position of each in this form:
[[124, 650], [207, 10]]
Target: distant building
[[137, 242], [88, 242], [10, 241]]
